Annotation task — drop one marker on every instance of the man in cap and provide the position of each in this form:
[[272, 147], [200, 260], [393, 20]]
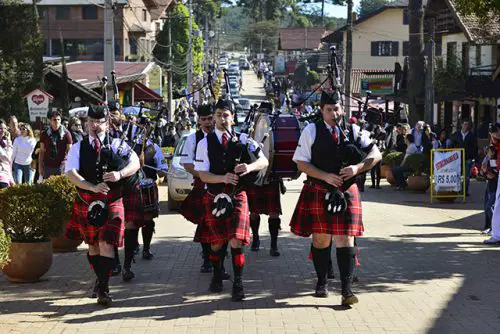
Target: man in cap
[[321, 155], [223, 162], [94, 167]]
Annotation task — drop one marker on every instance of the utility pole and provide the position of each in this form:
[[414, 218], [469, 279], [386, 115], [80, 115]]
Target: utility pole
[[207, 47], [416, 81], [429, 78], [109, 41], [348, 62], [322, 13], [169, 70], [190, 50]]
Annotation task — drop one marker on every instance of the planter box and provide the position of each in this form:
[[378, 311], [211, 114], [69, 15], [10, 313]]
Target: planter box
[[28, 261], [383, 171], [418, 183], [390, 178]]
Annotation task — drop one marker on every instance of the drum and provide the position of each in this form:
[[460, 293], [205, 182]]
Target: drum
[[279, 136], [149, 195]]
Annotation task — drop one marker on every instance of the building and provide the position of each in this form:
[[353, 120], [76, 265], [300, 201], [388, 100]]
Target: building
[[81, 25], [295, 43]]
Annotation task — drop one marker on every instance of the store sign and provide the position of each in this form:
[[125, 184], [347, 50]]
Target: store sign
[[279, 64], [447, 170], [38, 104], [378, 86]]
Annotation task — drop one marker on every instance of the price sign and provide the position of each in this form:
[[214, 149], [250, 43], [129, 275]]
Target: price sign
[[447, 170], [448, 180]]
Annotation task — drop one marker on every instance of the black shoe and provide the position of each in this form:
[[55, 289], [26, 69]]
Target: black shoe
[[117, 270], [372, 187], [127, 275], [321, 290], [349, 300], [378, 187], [206, 267], [238, 293], [216, 285], [225, 276], [330, 274], [103, 297], [274, 252], [255, 245], [147, 255]]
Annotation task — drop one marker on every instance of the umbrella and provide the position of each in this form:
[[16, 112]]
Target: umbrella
[[134, 110], [79, 112]]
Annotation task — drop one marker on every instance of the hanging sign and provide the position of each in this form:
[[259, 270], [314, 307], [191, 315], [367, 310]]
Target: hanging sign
[[38, 103]]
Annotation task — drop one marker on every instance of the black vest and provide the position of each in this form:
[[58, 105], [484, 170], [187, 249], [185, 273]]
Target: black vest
[[223, 161], [92, 168], [199, 136]]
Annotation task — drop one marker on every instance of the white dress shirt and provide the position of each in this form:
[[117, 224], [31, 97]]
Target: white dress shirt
[[189, 148], [202, 162], [303, 152], [73, 157]]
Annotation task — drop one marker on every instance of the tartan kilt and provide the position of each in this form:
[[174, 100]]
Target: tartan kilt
[[310, 217], [217, 231], [264, 200], [134, 209], [192, 206], [111, 232]]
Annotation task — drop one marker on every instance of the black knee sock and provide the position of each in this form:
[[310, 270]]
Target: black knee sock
[[130, 244], [92, 261], [105, 266], [330, 262], [320, 259], [205, 251], [217, 258], [254, 225], [238, 258], [346, 261], [274, 227], [117, 256], [147, 234]]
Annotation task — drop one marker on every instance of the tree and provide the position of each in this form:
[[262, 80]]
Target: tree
[[480, 8], [368, 6], [265, 32], [265, 10], [179, 23], [21, 65]]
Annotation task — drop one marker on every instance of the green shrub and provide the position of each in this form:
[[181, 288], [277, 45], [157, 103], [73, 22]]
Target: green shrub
[[4, 247], [31, 213], [63, 190], [419, 163], [392, 158]]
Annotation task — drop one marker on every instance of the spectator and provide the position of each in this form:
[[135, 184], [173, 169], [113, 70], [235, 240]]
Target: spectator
[[427, 139], [35, 156], [401, 138], [24, 145], [418, 134], [443, 141], [495, 221], [5, 157], [55, 144], [76, 129], [14, 127], [489, 171], [379, 136], [65, 123], [399, 172], [467, 140]]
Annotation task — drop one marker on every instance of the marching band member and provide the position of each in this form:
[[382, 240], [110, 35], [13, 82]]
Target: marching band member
[[324, 207], [93, 165], [223, 165]]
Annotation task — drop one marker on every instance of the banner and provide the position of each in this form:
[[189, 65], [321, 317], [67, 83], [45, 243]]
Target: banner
[[38, 104], [279, 64], [447, 170], [378, 86]]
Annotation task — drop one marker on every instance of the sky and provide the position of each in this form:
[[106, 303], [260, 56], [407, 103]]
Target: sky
[[338, 11]]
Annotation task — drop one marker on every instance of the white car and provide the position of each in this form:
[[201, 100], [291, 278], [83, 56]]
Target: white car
[[179, 181], [234, 65], [223, 65], [245, 104]]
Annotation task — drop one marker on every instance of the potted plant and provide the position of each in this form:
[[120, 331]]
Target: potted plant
[[65, 191], [391, 159], [419, 179], [4, 247], [28, 220]]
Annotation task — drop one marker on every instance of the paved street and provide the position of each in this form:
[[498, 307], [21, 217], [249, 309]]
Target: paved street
[[423, 269]]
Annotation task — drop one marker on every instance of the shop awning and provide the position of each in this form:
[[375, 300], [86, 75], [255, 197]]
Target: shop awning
[[143, 93]]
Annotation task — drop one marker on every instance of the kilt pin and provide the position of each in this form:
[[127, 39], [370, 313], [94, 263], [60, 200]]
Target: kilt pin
[[111, 232], [310, 217], [265, 199]]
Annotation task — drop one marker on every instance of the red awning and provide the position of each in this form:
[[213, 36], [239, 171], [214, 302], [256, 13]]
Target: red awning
[[143, 93]]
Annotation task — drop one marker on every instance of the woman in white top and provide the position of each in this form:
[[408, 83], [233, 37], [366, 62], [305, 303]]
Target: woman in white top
[[24, 145]]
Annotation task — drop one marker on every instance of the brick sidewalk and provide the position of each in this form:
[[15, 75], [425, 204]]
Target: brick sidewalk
[[423, 270]]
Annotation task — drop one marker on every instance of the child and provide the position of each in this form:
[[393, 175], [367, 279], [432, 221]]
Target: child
[[489, 170]]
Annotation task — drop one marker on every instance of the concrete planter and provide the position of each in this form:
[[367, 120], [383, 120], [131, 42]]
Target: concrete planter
[[418, 183], [28, 261]]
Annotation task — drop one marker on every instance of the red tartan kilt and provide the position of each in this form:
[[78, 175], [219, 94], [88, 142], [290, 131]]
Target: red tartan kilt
[[134, 209], [216, 231], [264, 200], [111, 232], [310, 216], [192, 206]]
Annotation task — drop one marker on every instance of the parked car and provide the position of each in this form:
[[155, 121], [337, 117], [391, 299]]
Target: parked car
[[234, 65], [179, 181], [223, 65], [245, 104], [235, 93]]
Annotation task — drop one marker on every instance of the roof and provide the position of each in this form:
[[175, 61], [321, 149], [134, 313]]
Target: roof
[[477, 30], [73, 2], [143, 93], [301, 38], [159, 10], [358, 74], [89, 92], [139, 28], [88, 73]]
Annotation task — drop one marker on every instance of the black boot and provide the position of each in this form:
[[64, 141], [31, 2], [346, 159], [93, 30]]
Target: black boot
[[105, 266], [130, 244], [217, 257], [274, 227], [238, 258], [206, 267], [346, 262], [330, 274], [254, 225], [118, 267], [320, 259], [147, 235]]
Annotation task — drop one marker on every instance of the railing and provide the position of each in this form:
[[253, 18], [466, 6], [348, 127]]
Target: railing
[[485, 70]]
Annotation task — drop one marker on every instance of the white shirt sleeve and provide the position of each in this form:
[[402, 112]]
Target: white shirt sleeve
[[303, 152], [161, 162], [365, 140], [187, 156], [73, 158], [201, 162]]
